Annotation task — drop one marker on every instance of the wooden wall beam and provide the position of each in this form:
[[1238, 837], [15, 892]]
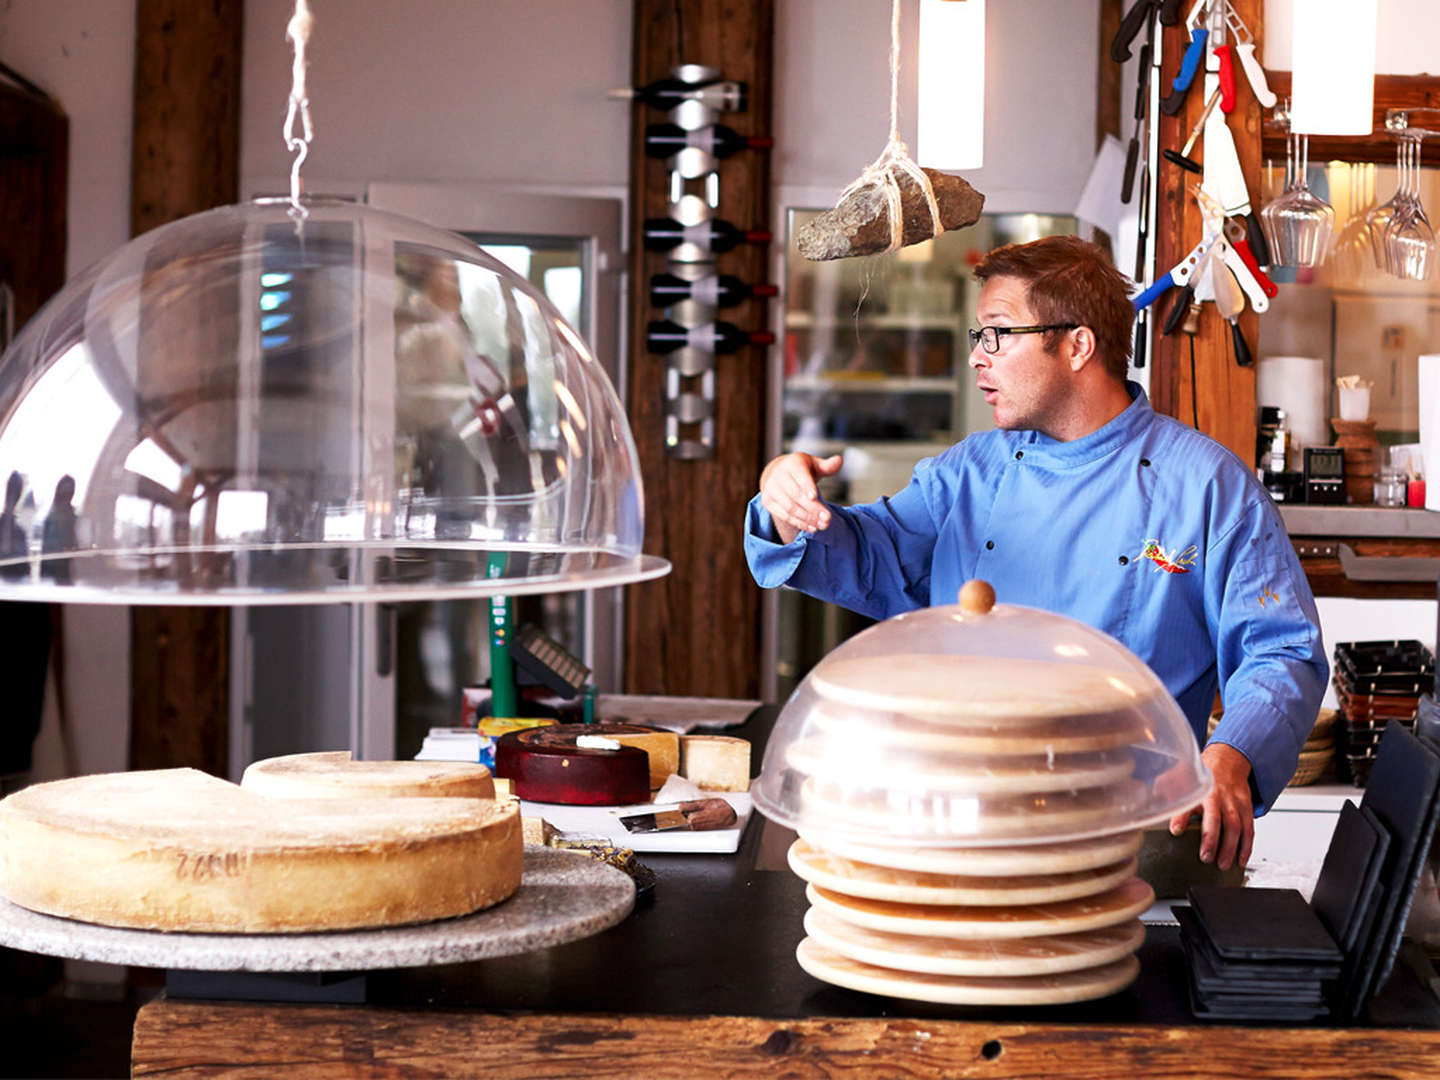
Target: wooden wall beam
[[1391, 92], [185, 159], [697, 631], [34, 170], [1215, 394]]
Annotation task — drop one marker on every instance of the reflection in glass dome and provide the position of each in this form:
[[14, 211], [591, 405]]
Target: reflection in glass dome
[[238, 409], [944, 727]]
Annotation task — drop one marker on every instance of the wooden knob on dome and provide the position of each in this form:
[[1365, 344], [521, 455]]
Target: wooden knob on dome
[[977, 597]]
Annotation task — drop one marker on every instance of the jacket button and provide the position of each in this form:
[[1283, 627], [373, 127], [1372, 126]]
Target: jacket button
[[1019, 454], [1124, 560], [1145, 461], [989, 545]]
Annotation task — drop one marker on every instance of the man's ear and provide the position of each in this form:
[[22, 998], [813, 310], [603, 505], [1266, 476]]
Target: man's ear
[[1082, 347]]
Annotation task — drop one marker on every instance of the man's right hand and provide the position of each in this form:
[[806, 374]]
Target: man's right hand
[[788, 491]]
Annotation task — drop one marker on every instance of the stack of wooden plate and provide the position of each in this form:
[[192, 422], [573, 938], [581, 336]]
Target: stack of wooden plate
[[1019, 917], [1041, 924]]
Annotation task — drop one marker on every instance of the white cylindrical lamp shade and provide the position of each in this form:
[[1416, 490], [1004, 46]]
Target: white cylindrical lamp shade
[[1333, 61], [951, 114]]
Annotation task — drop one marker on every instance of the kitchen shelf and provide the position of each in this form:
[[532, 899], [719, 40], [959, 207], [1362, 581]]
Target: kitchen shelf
[[804, 320], [867, 384]]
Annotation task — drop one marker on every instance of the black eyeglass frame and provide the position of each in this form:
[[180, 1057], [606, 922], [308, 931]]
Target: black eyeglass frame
[[989, 336]]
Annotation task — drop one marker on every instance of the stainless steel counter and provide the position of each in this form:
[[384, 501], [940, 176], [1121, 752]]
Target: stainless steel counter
[[1360, 521]]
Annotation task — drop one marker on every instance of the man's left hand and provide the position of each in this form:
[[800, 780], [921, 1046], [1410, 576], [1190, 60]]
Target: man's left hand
[[1227, 816]]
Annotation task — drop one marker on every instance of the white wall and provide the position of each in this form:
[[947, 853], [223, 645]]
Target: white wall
[[832, 95], [82, 52], [1406, 32], [509, 91]]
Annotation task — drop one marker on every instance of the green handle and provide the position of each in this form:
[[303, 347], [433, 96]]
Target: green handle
[[502, 668]]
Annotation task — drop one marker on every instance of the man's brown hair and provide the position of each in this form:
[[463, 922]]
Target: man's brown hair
[[1071, 281]]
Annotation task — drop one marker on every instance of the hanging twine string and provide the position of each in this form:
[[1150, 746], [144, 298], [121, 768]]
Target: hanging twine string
[[297, 31], [895, 158]]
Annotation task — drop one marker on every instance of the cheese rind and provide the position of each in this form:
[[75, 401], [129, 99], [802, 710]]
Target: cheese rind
[[715, 762], [179, 850], [336, 775]]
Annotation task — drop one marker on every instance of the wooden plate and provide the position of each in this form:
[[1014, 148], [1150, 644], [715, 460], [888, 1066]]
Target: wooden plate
[[981, 688], [1054, 858], [1058, 988], [852, 878], [855, 765], [963, 816], [1079, 734], [947, 956], [976, 923]]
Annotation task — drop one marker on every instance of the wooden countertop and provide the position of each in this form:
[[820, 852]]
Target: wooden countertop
[[702, 980]]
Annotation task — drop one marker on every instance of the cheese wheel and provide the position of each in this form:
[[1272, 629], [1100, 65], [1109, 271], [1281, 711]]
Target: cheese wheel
[[715, 762], [176, 849], [335, 774]]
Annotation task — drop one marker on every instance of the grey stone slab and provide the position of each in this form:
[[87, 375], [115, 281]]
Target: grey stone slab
[[563, 896]]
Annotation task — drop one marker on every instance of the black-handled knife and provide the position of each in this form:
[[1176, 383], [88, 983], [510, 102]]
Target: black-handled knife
[[1170, 12], [1242, 350], [1183, 299], [1130, 25], [1259, 246]]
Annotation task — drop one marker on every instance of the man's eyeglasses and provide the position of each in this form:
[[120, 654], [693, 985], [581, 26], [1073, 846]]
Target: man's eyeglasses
[[989, 336]]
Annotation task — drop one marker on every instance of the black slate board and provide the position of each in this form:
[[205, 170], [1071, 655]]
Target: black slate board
[[1402, 792], [1350, 874], [1262, 924]]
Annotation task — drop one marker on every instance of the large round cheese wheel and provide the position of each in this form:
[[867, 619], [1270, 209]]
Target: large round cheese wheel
[[335, 774], [176, 849]]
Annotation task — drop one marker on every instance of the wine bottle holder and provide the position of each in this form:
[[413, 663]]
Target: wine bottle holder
[[693, 179]]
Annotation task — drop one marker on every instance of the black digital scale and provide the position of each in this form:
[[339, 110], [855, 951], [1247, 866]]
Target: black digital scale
[[1325, 475]]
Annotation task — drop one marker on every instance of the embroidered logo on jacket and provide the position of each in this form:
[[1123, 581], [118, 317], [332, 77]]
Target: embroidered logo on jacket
[[1171, 562]]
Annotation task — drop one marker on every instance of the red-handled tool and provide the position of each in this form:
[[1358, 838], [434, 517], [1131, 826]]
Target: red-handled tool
[[1236, 232], [1227, 78]]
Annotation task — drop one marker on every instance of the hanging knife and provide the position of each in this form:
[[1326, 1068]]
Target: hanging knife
[[1136, 17], [1190, 64], [1225, 182], [1245, 49]]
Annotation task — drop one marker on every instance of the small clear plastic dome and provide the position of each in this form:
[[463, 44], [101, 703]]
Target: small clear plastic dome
[[252, 405], [949, 727]]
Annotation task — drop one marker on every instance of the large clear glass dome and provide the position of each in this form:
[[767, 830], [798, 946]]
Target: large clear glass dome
[[255, 405], [950, 727]]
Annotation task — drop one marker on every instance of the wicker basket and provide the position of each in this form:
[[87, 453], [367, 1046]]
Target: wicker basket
[[1313, 765]]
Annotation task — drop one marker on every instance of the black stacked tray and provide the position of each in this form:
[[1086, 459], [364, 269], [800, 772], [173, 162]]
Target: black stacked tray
[[1376, 682]]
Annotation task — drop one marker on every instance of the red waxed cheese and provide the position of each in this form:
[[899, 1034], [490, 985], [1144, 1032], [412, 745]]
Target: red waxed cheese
[[545, 765]]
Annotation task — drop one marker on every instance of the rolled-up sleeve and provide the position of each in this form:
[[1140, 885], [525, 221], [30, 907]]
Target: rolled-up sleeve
[[1269, 653]]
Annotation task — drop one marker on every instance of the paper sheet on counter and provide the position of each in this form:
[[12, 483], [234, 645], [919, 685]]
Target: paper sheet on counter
[[603, 822]]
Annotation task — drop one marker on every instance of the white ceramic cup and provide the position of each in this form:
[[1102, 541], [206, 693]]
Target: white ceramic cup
[[1355, 403]]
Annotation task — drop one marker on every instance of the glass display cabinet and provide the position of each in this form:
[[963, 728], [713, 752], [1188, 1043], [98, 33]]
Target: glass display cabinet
[[875, 367]]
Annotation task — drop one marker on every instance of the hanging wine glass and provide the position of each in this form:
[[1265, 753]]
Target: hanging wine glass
[[1269, 213], [1409, 239], [1302, 221], [1352, 253], [1380, 217]]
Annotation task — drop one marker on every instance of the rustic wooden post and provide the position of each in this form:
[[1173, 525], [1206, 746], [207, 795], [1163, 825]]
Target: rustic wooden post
[[185, 159], [1222, 394], [697, 631]]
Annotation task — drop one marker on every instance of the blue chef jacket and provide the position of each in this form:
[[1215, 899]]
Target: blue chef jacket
[[1145, 529]]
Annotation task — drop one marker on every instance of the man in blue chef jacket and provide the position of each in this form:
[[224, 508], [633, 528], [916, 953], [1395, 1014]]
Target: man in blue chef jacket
[[1087, 503]]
